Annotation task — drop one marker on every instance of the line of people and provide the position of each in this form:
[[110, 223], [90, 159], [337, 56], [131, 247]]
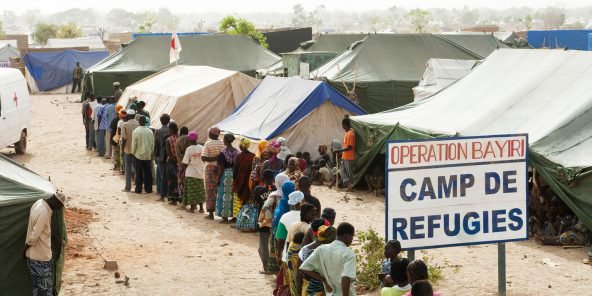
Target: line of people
[[268, 192]]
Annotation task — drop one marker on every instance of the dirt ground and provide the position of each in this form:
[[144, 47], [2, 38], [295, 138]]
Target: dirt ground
[[164, 250]]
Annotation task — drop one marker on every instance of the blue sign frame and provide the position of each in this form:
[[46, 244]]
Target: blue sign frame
[[386, 160]]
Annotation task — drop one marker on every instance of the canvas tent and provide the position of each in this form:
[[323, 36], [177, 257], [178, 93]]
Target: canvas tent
[[8, 52], [513, 91], [439, 74], [19, 189], [52, 71], [194, 96], [385, 67], [314, 52], [147, 55], [563, 160], [307, 113]]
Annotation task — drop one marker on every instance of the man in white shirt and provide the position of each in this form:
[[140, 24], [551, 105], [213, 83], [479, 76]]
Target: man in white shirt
[[194, 192], [38, 244], [334, 264]]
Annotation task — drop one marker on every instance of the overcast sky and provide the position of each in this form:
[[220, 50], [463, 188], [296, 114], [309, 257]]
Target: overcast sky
[[245, 6]]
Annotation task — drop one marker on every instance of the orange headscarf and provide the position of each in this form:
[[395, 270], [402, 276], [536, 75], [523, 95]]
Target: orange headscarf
[[261, 147]]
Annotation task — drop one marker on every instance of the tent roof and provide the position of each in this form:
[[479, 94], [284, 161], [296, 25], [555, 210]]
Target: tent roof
[[569, 145], [8, 51], [151, 53], [513, 91], [93, 42], [331, 42], [194, 96], [278, 103], [182, 80], [439, 74], [391, 57], [480, 44], [19, 183]]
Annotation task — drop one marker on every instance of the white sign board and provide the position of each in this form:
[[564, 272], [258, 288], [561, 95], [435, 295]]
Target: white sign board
[[457, 191], [304, 70]]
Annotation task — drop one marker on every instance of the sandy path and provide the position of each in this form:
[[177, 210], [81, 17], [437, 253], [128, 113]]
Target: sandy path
[[164, 250]]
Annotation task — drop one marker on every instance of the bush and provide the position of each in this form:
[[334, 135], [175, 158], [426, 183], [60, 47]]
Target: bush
[[369, 258], [434, 271]]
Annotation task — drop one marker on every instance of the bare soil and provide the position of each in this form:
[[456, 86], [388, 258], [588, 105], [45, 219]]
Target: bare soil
[[166, 251]]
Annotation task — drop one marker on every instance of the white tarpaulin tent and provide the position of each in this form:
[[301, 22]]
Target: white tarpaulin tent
[[307, 113], [439, 74], [513, 91], [194, 96]]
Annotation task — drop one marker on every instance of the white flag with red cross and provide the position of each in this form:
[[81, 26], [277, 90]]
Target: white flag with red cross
[[175, 48]]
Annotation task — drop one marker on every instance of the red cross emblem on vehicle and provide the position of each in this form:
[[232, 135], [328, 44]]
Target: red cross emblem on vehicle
[[15, 99]]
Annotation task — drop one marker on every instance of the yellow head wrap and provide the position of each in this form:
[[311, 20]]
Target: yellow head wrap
[[245, 143]]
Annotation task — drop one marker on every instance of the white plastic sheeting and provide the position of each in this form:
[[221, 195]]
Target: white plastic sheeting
[[439, 74]]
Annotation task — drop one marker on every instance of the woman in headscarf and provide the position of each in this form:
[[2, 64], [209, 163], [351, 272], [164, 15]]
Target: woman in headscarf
[[243, 165], [209, 156], [268, 211], [324, 234], [293, 171], [284, 150], [224, 203], [273, 163], [260, 158]]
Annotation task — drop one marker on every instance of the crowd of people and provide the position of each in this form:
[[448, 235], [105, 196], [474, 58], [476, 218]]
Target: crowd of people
[[268, 192], [551, 221]]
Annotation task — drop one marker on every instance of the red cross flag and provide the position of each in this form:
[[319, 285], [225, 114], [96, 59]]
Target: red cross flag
[[175, 48]]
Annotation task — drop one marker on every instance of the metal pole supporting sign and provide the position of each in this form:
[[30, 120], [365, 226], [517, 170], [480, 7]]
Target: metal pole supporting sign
[[501, 269]]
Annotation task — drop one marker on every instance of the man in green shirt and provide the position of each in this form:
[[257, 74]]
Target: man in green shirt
[[142, 149], [334, 264], [77, 77]]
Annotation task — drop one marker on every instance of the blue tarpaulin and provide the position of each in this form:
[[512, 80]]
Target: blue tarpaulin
[[570, 39], [307, 112], [54, 69]]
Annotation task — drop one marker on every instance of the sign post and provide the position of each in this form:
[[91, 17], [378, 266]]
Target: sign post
[[458, 191]]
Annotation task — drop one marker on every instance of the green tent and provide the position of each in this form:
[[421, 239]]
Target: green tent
[[563, 160], [384, 68], [479, 44], [331, 43], [314, 52], [19, 189], [545, 93], [147, 55]]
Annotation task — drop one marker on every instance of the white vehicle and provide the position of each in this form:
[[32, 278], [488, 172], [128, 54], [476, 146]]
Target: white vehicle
[[15, 110]]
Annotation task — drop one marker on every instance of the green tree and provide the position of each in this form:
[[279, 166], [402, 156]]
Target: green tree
[[553, 17], [69, 30], [148, 20], [526, 22], [235, 26], [43, 32], [167, 20], [299, 18], [420, 19]]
